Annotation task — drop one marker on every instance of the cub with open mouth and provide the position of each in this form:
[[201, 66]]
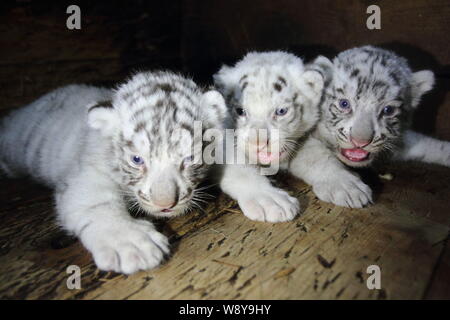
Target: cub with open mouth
[[273, 102], [369, 98]]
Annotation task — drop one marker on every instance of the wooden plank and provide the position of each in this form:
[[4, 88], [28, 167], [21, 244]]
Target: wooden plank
[[219, 254], [439, 285], [215, 33], [37, 32], [232, 28], [259, 261], [39, 53], [21, 84]]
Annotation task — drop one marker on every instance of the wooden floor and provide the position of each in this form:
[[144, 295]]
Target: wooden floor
[[220, 254]]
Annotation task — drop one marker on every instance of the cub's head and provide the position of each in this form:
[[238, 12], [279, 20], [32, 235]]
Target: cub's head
[[271, 90], [369, 97], [150, 121]]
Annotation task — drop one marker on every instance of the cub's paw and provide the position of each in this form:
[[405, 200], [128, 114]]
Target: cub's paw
[[345, 191], [126, 246], [272, 205]]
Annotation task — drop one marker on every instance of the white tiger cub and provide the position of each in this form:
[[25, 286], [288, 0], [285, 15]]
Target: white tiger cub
[[369, 99], [268, 90], [100, 149]]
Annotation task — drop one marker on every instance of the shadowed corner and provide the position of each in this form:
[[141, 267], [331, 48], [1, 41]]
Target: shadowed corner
[[425, 118]]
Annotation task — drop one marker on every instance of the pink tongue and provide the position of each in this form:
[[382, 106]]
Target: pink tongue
[[355, 154], [267, 157]]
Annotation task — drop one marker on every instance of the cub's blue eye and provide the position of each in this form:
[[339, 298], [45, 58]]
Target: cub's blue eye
[[344, 104], [240, 112], [137, 160], [281, 111], [388, 110], [187, 162], [188, 159]]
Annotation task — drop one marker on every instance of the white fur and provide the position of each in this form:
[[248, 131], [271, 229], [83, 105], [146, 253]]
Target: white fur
[[373, 67], [417, 146], [81, 153], [250, 85], [331, 181]]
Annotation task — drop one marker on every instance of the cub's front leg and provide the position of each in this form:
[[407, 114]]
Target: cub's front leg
[[330, 180], [419, 147], [92, 208], [256, 196]]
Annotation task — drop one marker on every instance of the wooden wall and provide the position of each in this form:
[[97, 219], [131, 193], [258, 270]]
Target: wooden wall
[[38, 52], [223, 31]]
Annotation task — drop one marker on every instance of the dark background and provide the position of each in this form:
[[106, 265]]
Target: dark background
[[38, 53]]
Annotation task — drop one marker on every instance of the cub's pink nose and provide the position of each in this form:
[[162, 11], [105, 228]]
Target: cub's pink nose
[[360, 143]]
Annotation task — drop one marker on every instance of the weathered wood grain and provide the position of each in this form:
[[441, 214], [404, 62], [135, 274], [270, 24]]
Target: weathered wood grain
[[439, 284], [38, 53], [220, 254], [215, 33]]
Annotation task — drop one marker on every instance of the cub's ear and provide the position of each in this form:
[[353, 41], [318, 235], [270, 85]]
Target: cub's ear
[[214, 110], [325, 66], [421, 83], [313, 79], [224, 80], [102, 116], [323, 63], [307, 78]]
